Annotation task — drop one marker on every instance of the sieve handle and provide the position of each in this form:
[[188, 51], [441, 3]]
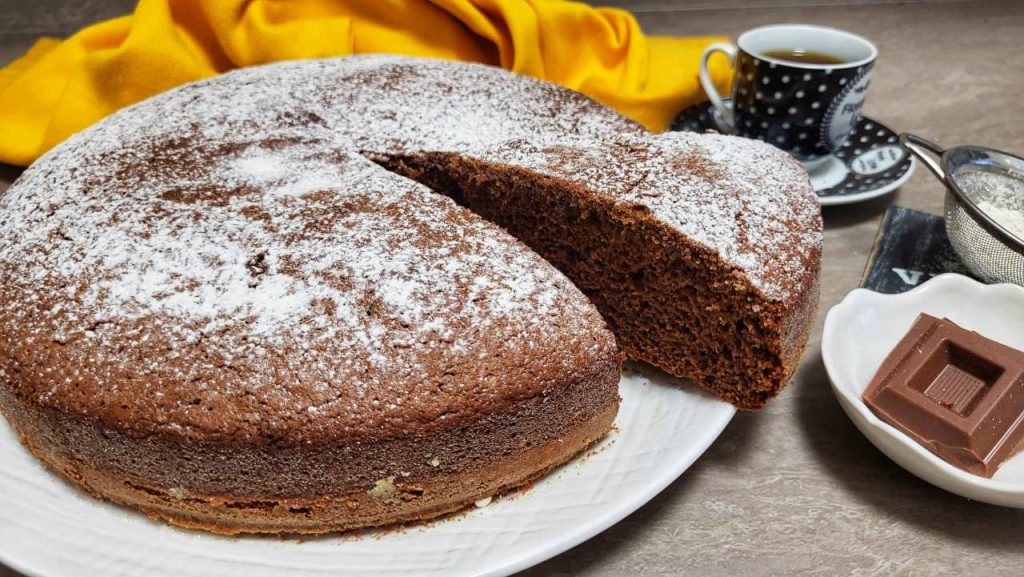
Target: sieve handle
[[927, 152]]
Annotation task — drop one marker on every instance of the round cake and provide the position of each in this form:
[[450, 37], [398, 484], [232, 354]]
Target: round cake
[[233, 307]]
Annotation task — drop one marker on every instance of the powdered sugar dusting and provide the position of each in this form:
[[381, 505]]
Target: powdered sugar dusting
[[1000, 196], [1011, 220], [148, 252], [749, 202], [226, 240], [255, 228]]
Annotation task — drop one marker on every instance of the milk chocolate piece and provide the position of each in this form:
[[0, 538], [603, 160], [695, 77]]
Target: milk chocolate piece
[[957, 393]]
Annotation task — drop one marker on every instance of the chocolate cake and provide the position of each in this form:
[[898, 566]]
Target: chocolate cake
[[701, 251], [218, 310]]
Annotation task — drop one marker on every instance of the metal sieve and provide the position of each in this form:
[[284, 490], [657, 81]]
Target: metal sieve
[[987, 247]]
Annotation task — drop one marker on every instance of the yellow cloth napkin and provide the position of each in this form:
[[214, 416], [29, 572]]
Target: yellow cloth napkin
[[60, 87]]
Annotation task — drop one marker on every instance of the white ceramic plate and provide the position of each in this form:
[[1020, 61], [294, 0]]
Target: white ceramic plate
[[862, 329], [48, 528]]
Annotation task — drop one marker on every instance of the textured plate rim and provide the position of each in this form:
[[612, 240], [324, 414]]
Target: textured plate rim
[[1002, 493], [626, 507]]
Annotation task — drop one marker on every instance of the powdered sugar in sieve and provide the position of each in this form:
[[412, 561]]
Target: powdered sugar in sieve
[[999, 195]]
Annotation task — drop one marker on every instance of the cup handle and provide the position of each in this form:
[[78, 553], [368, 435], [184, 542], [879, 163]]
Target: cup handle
[[927, 152], [709, 86]]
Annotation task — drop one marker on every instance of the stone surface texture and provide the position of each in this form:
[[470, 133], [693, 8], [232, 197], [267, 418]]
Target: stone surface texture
[[795, 489]]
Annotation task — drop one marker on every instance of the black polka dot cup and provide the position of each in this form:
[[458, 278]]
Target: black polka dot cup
[[796, 86]]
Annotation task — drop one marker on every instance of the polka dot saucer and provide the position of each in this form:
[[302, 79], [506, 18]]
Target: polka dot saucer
[[870, 162]]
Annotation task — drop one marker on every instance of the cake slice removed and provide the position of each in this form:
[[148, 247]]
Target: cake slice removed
[[701, 251]]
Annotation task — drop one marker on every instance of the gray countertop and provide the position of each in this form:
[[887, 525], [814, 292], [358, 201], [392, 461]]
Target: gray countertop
[[795, 489]]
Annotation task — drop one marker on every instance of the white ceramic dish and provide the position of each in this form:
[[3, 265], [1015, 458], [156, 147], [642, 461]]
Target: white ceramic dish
[[862, 329], [48, 528]]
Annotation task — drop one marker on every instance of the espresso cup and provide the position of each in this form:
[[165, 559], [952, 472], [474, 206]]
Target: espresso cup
[[805, 107]]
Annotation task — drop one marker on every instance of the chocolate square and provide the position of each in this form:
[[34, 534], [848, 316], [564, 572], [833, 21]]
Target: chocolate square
[[955, 392]]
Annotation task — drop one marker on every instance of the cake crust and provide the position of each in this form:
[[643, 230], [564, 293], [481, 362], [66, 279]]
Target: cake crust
[[219, 308], [314, 489], [212, 295]]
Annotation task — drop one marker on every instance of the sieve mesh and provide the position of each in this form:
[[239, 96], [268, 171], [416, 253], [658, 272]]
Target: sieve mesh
[[990, 253], [978, 179]]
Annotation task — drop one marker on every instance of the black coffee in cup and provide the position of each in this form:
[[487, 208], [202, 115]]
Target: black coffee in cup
[[802, 56], [798, 87]]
